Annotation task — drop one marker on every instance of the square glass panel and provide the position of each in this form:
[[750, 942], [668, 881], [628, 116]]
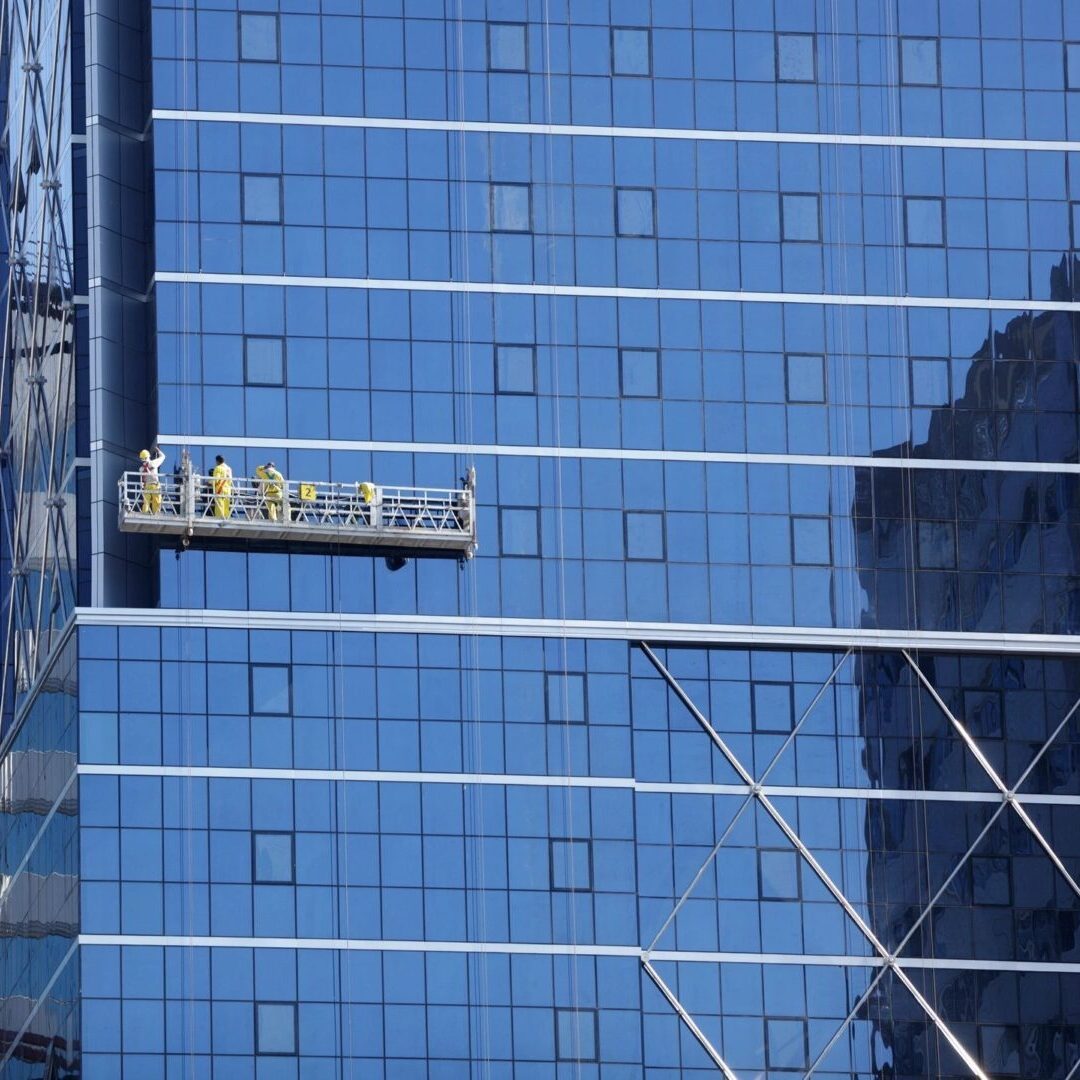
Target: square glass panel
[[262, 199], [270, 689], [779, 874], [511, 207], [919, 61], [1072, 65], [275, 1027], [644, 534], [929, 381], [795, 57], [520, 531], [924, 220], [272, 854], [258, 37], [515, 369], [800, 217], [630, 51], [1001, 1051], [786, 1044], [264, 361], [937, 545], [575, 1034], [772, 706], [506, 47], [566, 699], [571, 865], [639, 371], [635, 212], [1074, 221], [805, 378], [810, 541]]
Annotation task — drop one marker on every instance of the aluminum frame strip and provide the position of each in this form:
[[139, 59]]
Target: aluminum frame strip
[[611, 131]]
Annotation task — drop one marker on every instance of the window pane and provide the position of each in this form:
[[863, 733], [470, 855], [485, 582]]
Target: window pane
[[924, 224], [929, 382], [786, 1044], [937, 545], [919, 61], [800, 214], [772, 707], [644, 535], [262, 199], [640, 371], [516, 370], [506, 47], [1072, 65], [795, 57], [258, 37], [519, 532], [575, 1031], [635, 209], [779, 872], [270, 689], [805, 378], [264, 360], [566, 699], [810, 540], [571, 865], [273, 857], [630, 51], [510, 208], [276, 1027]]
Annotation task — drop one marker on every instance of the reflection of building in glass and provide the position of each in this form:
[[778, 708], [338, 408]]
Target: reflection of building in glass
[[969, 877]]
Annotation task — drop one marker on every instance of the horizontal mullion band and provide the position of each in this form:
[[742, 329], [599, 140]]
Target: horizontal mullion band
[[494, 127], [603, 453], [628, 783], [569, 949], [658, 633], [503, 288]]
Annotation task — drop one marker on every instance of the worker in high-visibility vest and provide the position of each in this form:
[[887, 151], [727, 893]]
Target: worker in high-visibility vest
[[272, 484], [222, 477], [151, 481]]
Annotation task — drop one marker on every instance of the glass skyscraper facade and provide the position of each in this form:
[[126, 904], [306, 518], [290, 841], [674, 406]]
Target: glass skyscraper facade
[[748, 743]]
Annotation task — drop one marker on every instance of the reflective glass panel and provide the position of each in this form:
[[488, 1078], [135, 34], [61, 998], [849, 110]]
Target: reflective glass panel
[[264, 361], [571, 865], [270, 689], [275, 1025], [511, 207], [262, 199], [630, 51], [919, 61], [506, 46], [924, 220], [640, 372], [520, 535], [805, 378], [258, 37], [575, 1031], [636, 213], [273, 853], [795, 57], [644, 534], [516, 369], [800, 217]]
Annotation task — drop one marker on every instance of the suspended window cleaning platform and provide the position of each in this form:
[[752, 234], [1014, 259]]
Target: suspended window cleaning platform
[[192, 506]]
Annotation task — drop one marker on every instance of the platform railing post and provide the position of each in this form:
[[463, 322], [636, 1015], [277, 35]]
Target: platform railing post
[[189, 482]]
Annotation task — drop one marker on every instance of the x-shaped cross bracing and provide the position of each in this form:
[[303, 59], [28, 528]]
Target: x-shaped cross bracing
[[889, 959]]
